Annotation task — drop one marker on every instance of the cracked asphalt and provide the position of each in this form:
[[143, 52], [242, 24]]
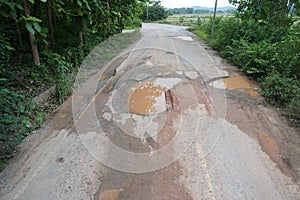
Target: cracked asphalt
[[152, 125]]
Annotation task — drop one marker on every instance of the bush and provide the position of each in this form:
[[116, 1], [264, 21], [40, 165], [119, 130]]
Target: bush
[[288, 53], [280, 89], [132, 23], [293, 108], [75, 56], [15, 120], [270, 54], [5, 49], [255, 59], [62, 72], [225, 32]]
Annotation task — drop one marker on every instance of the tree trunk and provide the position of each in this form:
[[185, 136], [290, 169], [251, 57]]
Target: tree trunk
[[50, 24], [34, 48], [81, 30], [19, 34], [54, 17], [120, 24]]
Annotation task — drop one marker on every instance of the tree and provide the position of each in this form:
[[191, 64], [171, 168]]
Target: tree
[[31, 31], [276, 13], [50, 21], [155, 11]]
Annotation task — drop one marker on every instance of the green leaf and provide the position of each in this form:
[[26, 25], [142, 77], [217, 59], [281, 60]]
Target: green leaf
[[32, 19], [79, 12], [19, 6], [79, 3], [3, 13], [45, 30], [10, 4], [29, 28], [87, 5], [37, 27], [44, 1], [31, 1]]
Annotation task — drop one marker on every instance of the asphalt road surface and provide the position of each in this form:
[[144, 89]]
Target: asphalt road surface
[[153, 124]]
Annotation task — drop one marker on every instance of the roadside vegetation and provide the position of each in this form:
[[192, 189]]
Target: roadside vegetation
[[42, 45], [153, 11], [263, 40]]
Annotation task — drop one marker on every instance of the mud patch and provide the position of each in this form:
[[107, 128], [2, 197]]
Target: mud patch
[[103, 77], [252, 93], [147, 100], [150, 96], [235, 83], [269, 143], [239, 82], [110, 194]]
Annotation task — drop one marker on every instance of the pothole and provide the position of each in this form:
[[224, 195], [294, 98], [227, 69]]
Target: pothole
[[147, 99], [234, 83], [111, 194], [151, 97]]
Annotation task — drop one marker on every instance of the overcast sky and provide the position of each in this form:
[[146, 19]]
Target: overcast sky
[[190, 3]]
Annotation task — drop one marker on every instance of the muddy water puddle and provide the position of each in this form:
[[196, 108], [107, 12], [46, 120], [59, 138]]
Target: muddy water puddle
[[110, 194], [149, 97], [237, 82]]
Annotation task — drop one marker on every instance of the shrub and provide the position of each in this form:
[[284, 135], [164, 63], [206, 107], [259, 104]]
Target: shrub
[[255, 59], [15, 120], [5, 49], [280, 89], [293, 108], [226, 30], [268, 53], [62, 71], [289, 53]]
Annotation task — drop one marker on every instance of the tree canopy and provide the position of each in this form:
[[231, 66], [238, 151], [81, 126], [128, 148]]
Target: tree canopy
[[154, 11], [276, 13], [44, 20]]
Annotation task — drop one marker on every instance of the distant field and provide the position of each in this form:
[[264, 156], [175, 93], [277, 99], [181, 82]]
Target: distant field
[[190, 19]]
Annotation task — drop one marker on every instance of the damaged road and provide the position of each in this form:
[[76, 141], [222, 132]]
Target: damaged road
[[167, 119]]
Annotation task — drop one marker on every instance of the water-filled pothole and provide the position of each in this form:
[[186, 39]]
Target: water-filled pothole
[[148, 99], [150, 96], [239, 82], [236, 82]]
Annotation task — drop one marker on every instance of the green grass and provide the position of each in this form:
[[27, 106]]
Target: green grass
[[201, 34]]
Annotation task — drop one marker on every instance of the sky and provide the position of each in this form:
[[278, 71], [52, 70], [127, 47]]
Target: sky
[[190, 3]]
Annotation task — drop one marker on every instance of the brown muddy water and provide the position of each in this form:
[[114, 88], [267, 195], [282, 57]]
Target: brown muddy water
[[149, 97], [239, 82]]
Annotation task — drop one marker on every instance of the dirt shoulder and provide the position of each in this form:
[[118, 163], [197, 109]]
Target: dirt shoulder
[[262, 122]]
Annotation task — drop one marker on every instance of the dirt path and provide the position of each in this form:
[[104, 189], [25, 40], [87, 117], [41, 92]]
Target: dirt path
[[167, 120]]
